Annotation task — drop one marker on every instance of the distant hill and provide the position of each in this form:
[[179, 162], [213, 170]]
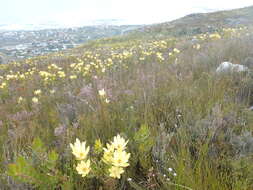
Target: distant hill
[[55, 25], [202, 22], [25, 43]]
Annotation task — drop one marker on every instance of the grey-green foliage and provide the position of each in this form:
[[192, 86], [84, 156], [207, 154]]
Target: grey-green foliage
[[243, 144], [39, 170], [145, 141]]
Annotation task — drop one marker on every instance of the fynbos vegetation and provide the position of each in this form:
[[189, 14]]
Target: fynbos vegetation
[[131, 113]]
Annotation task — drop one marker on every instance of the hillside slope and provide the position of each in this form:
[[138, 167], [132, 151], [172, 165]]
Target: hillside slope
[[203, 22], [151, 114]]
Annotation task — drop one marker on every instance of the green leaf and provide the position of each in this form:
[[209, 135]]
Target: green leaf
[[12, 170], [22, 171], [145, 141], [52, 159], [53, 156], [38, 146]]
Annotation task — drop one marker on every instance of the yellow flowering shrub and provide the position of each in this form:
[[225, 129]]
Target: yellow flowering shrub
[[114, 156]]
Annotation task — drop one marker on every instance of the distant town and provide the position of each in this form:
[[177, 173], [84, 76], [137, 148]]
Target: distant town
[[24, 44]]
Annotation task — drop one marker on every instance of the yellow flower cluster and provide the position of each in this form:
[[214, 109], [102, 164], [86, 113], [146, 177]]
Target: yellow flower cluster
[[116, 156], [234, 31], [100, 61], [160, 44], [37, 92], [80, 151], [3, 85], [35, 100], [20, 100], [61, 74], [222, 33], [102, 94], [196, 46], [160, 56], [215, 36], [175, 50], [73, 77]]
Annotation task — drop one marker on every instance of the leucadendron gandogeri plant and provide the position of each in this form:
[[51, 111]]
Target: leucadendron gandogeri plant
[[80, 152], [114, 158]]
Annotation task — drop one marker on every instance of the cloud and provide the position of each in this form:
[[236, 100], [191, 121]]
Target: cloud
[[132, 11]]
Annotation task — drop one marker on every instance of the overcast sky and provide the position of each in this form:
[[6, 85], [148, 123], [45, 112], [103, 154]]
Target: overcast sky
[[129, 11]]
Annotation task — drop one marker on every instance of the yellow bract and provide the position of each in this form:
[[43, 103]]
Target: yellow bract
[[83, 168], [79, 150], [176, 50], [20, 99], [3, 85], [215, 36], [107, 101], [35, 100], [61, 74], [102, 92], [120, 158], [108, 153], [115, 172], [119, 143], [37, 92], [73, 77]]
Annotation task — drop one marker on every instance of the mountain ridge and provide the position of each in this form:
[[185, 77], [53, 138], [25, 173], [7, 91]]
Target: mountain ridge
[[55, 25], [197, 23]]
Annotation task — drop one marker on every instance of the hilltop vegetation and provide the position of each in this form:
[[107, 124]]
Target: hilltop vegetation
[[159, 99], [202, 22]]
